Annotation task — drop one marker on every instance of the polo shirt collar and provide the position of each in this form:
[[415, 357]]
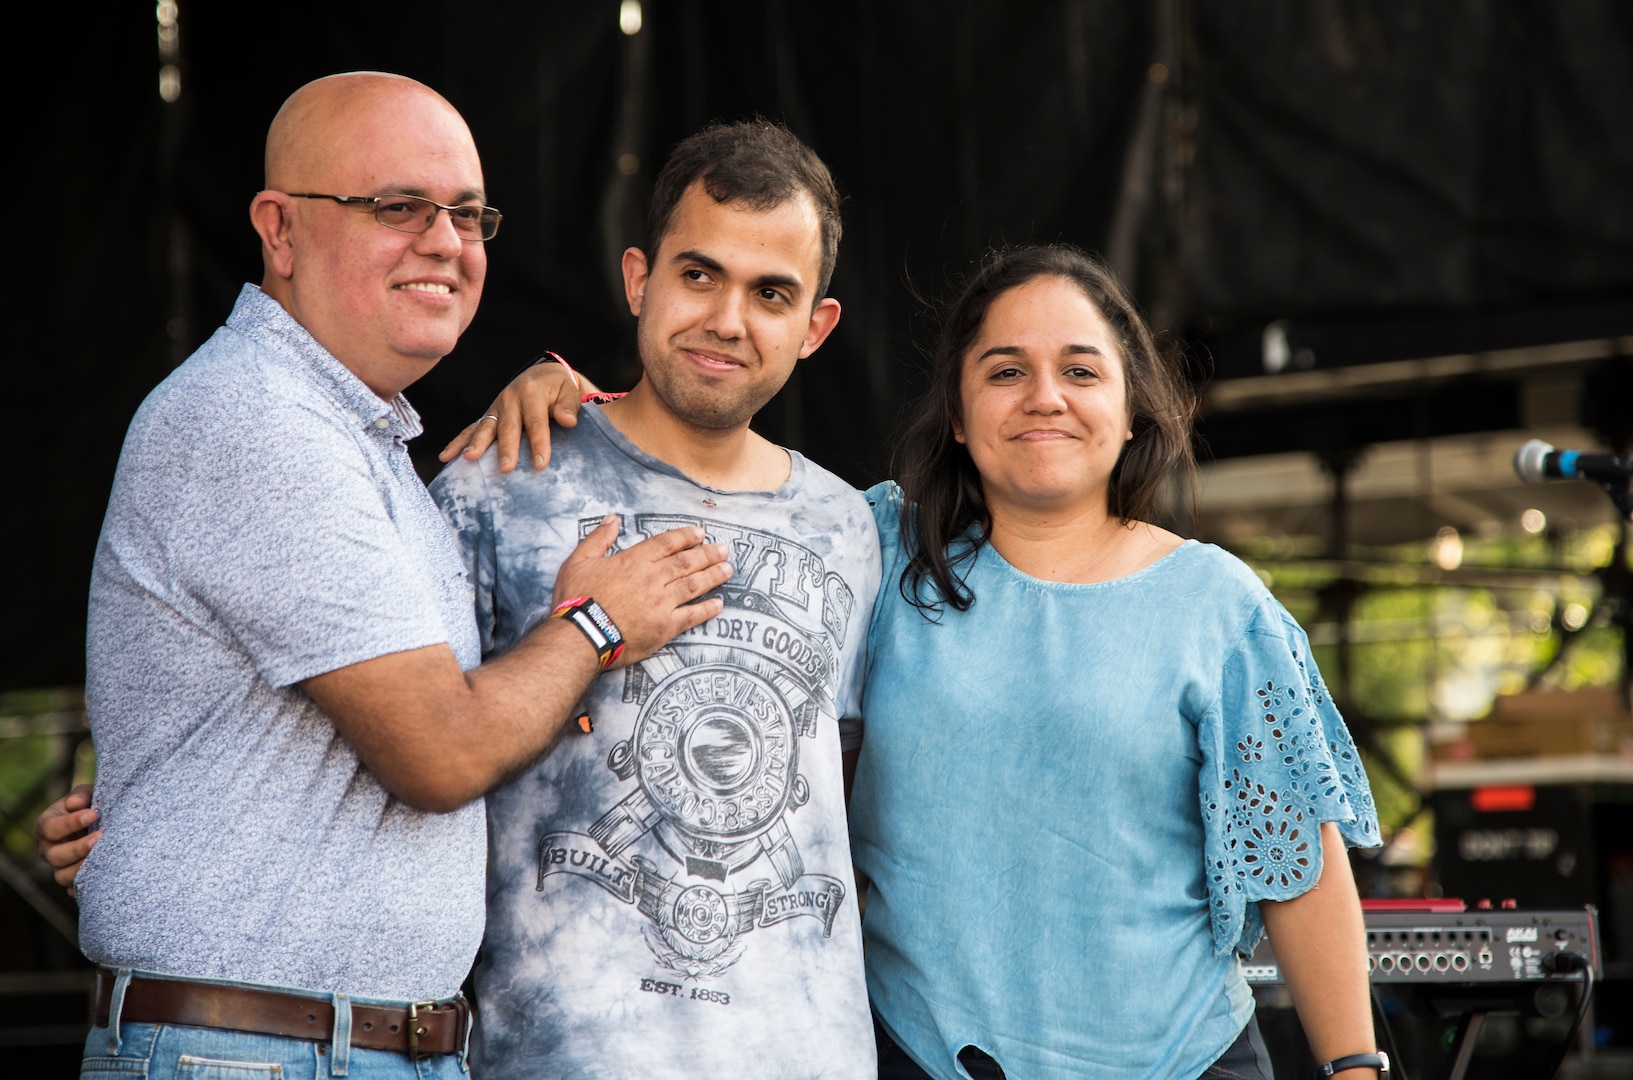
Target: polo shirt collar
[[260, 316]]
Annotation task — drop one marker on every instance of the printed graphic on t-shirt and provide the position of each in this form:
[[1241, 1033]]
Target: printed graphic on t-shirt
[[700, 842]]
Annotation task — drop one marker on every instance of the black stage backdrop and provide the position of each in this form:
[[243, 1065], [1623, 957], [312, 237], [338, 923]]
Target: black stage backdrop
[[1399, 179]]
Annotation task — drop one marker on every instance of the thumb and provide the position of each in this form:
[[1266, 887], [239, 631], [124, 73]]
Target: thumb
[[599, 540], [565, 413]]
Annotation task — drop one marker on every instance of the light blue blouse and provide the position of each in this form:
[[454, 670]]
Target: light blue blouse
[[1068, 799]]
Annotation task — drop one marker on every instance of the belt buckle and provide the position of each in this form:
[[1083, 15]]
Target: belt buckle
[[414, 1028]]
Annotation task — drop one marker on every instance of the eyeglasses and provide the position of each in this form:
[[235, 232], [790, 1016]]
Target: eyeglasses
[[412, 214]]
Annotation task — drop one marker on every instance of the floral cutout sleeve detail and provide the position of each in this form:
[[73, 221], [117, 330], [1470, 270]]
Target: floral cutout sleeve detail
[[1277, 763]]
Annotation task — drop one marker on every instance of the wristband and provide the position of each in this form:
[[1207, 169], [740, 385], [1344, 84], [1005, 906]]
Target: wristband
[[1379, 1061], [550, 357], [584, 613]]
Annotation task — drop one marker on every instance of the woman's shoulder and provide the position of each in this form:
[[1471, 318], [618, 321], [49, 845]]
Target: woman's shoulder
[[1216, 573], [885, 500], [885, 491]]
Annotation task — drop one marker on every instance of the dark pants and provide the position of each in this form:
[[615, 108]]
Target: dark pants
[[1245, 1059]]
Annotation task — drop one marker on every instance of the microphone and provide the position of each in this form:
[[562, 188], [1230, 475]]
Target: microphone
[[1537, 462]]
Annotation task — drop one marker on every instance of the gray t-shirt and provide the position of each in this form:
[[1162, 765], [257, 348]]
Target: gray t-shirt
[[671, 894], [267, 526]]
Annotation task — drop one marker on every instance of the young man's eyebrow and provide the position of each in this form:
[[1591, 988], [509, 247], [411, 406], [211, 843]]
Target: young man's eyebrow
[[692, 255], [780, 281]]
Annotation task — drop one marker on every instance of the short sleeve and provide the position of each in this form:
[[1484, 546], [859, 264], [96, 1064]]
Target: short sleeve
[[288, 548], [1277, 763], [885, 500]]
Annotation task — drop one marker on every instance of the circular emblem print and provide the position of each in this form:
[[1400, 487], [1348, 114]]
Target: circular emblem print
[[716, 752], [700, 914]]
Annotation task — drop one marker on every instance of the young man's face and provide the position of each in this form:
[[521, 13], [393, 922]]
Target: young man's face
[[726, 306]]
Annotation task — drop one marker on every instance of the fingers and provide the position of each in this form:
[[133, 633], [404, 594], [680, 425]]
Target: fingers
[[649, 589], [64, 836], [507, 432], [676, 558], [65, 875], [668, 543], [54, 828], [473, 441], [663, 590], [694, 614], [536, 414], [64, 858], [565, 413], [530, 401], [593, 546], [458, 442], [65, 817], [689, 568], [540, 394], [680, 620], [698, 571]]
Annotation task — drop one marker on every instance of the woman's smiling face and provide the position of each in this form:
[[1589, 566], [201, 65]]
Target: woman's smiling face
[[1044, 402]]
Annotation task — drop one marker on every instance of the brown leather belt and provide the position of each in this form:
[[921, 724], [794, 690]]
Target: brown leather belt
[[417, 1030]]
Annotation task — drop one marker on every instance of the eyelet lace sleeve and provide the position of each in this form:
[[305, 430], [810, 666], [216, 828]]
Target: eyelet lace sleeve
[[1277, 763]]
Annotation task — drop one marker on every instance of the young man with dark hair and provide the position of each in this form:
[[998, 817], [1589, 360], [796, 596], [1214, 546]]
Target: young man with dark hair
[[669, 890]]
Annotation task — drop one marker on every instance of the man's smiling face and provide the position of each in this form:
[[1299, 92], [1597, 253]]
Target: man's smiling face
[[726, 306], [387, 304]]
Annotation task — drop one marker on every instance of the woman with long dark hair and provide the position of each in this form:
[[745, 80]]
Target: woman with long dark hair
[[1098, 759]]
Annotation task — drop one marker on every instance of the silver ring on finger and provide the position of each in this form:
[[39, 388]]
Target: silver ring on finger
[[489, 416]]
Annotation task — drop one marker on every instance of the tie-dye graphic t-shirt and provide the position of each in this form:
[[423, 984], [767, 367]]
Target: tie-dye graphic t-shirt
[[670, 894]]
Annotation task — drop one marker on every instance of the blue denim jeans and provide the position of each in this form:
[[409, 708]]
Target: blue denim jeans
[[174, 1052]]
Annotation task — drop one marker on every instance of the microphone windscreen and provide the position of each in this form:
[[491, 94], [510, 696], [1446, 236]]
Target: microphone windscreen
[[1529, 461]]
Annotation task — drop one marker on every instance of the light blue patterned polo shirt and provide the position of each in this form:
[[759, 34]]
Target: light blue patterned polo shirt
[[266, 526]]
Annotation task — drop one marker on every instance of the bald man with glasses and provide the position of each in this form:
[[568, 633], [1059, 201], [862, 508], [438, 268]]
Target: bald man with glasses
[[282, 671]]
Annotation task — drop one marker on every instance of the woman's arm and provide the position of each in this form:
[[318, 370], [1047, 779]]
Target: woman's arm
[[1320, 944]]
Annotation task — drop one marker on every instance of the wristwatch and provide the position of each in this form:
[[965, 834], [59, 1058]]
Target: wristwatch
[[1379, 1061]]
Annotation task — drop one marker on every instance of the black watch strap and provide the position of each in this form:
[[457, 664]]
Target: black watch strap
[[1379, 1061]]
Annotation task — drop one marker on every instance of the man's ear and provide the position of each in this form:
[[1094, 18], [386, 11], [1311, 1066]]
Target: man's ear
[[635, 273], [824, 317], [269, 213]]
